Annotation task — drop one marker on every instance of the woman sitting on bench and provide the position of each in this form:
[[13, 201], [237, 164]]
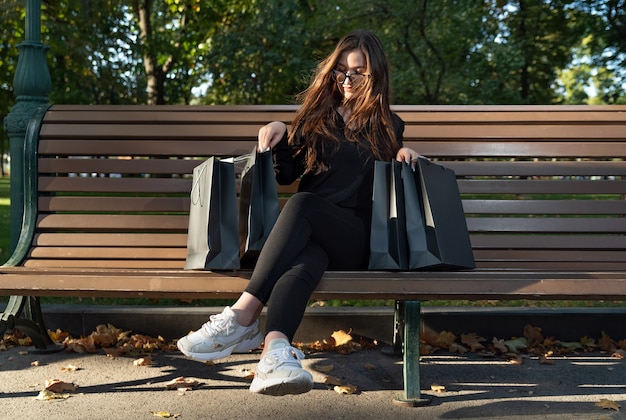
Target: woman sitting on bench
[[343, 126]]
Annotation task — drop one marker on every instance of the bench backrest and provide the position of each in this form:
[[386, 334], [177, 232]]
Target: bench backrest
[[544, 187]]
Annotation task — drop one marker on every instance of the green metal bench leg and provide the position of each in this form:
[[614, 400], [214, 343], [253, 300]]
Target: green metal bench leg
[[32, 324], [398, 329], [411, 357]]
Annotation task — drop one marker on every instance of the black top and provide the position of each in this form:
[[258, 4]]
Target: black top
[[349, 178]]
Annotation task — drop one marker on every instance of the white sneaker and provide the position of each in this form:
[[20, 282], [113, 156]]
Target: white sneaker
[[280, 372], [220, 337]]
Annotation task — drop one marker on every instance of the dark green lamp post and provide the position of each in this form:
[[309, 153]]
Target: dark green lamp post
[[32, 86]]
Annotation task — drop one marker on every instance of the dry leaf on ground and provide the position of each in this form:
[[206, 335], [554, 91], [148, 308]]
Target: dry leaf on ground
[[181, 383], [341, 337], [543, 360], [445, 339], [516, 344], [164, 414], [56, 385], [533, 335], [144, 361], [473, 341], [438, 388], [619, 354], [46, 395], [608, 404], [345, 389]]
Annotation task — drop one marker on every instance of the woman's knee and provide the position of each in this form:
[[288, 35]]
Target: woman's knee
[[301, 201]]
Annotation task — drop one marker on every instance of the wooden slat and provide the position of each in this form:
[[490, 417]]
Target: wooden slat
[[115, 185], [118, 166], [146, 240], [522, 131], [547, 224], [544, 207], [538, 168], [521, 149], [113, 204], [517, 257], [539, 240], [122, 252], [149, 146], [112, 223], [170, 132], [101, 264], [540, 186]]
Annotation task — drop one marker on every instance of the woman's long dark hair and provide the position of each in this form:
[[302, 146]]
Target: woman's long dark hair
[[370, 115]]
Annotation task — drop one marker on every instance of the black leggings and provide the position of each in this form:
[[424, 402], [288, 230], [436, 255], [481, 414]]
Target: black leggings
[[310, 235]]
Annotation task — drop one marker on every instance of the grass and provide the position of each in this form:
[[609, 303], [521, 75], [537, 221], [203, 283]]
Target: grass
[[4, 255]]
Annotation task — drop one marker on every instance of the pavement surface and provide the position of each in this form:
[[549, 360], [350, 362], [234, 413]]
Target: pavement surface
[[474, 387]]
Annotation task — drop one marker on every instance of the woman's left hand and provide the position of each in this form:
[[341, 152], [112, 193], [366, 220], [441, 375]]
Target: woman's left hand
[[407, 155]]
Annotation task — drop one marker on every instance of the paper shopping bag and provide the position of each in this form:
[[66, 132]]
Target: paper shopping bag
[[440, 239], [388, 241], [212, 238], [258, 205]]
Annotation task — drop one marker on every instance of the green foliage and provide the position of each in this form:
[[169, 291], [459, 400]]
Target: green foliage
[[257, 52]]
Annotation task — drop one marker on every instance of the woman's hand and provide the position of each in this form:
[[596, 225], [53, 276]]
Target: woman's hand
[[407, 155], [270, 135]]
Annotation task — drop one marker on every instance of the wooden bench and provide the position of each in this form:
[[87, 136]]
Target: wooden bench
[[107, 194]]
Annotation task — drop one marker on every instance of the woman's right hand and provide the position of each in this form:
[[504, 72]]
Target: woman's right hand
[[271, 134]]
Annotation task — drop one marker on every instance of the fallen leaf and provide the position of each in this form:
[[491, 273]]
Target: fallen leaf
[[573, 345], [606, 342], [69, 368], [55, 385], [429, 336], [445, 339], [619, 354], [457, 348], [608, 404], [345, 389], [516, 359], [499, 345], [370, 366], [58, 336], [588, 342], [113, 352], [473, 341], [164, 414], [181, 382], [516, 344], [341, 337], [533, 335], [144, 361], [543, 360], [46, 395], [247, 374], [438, 388], [34, 363]]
